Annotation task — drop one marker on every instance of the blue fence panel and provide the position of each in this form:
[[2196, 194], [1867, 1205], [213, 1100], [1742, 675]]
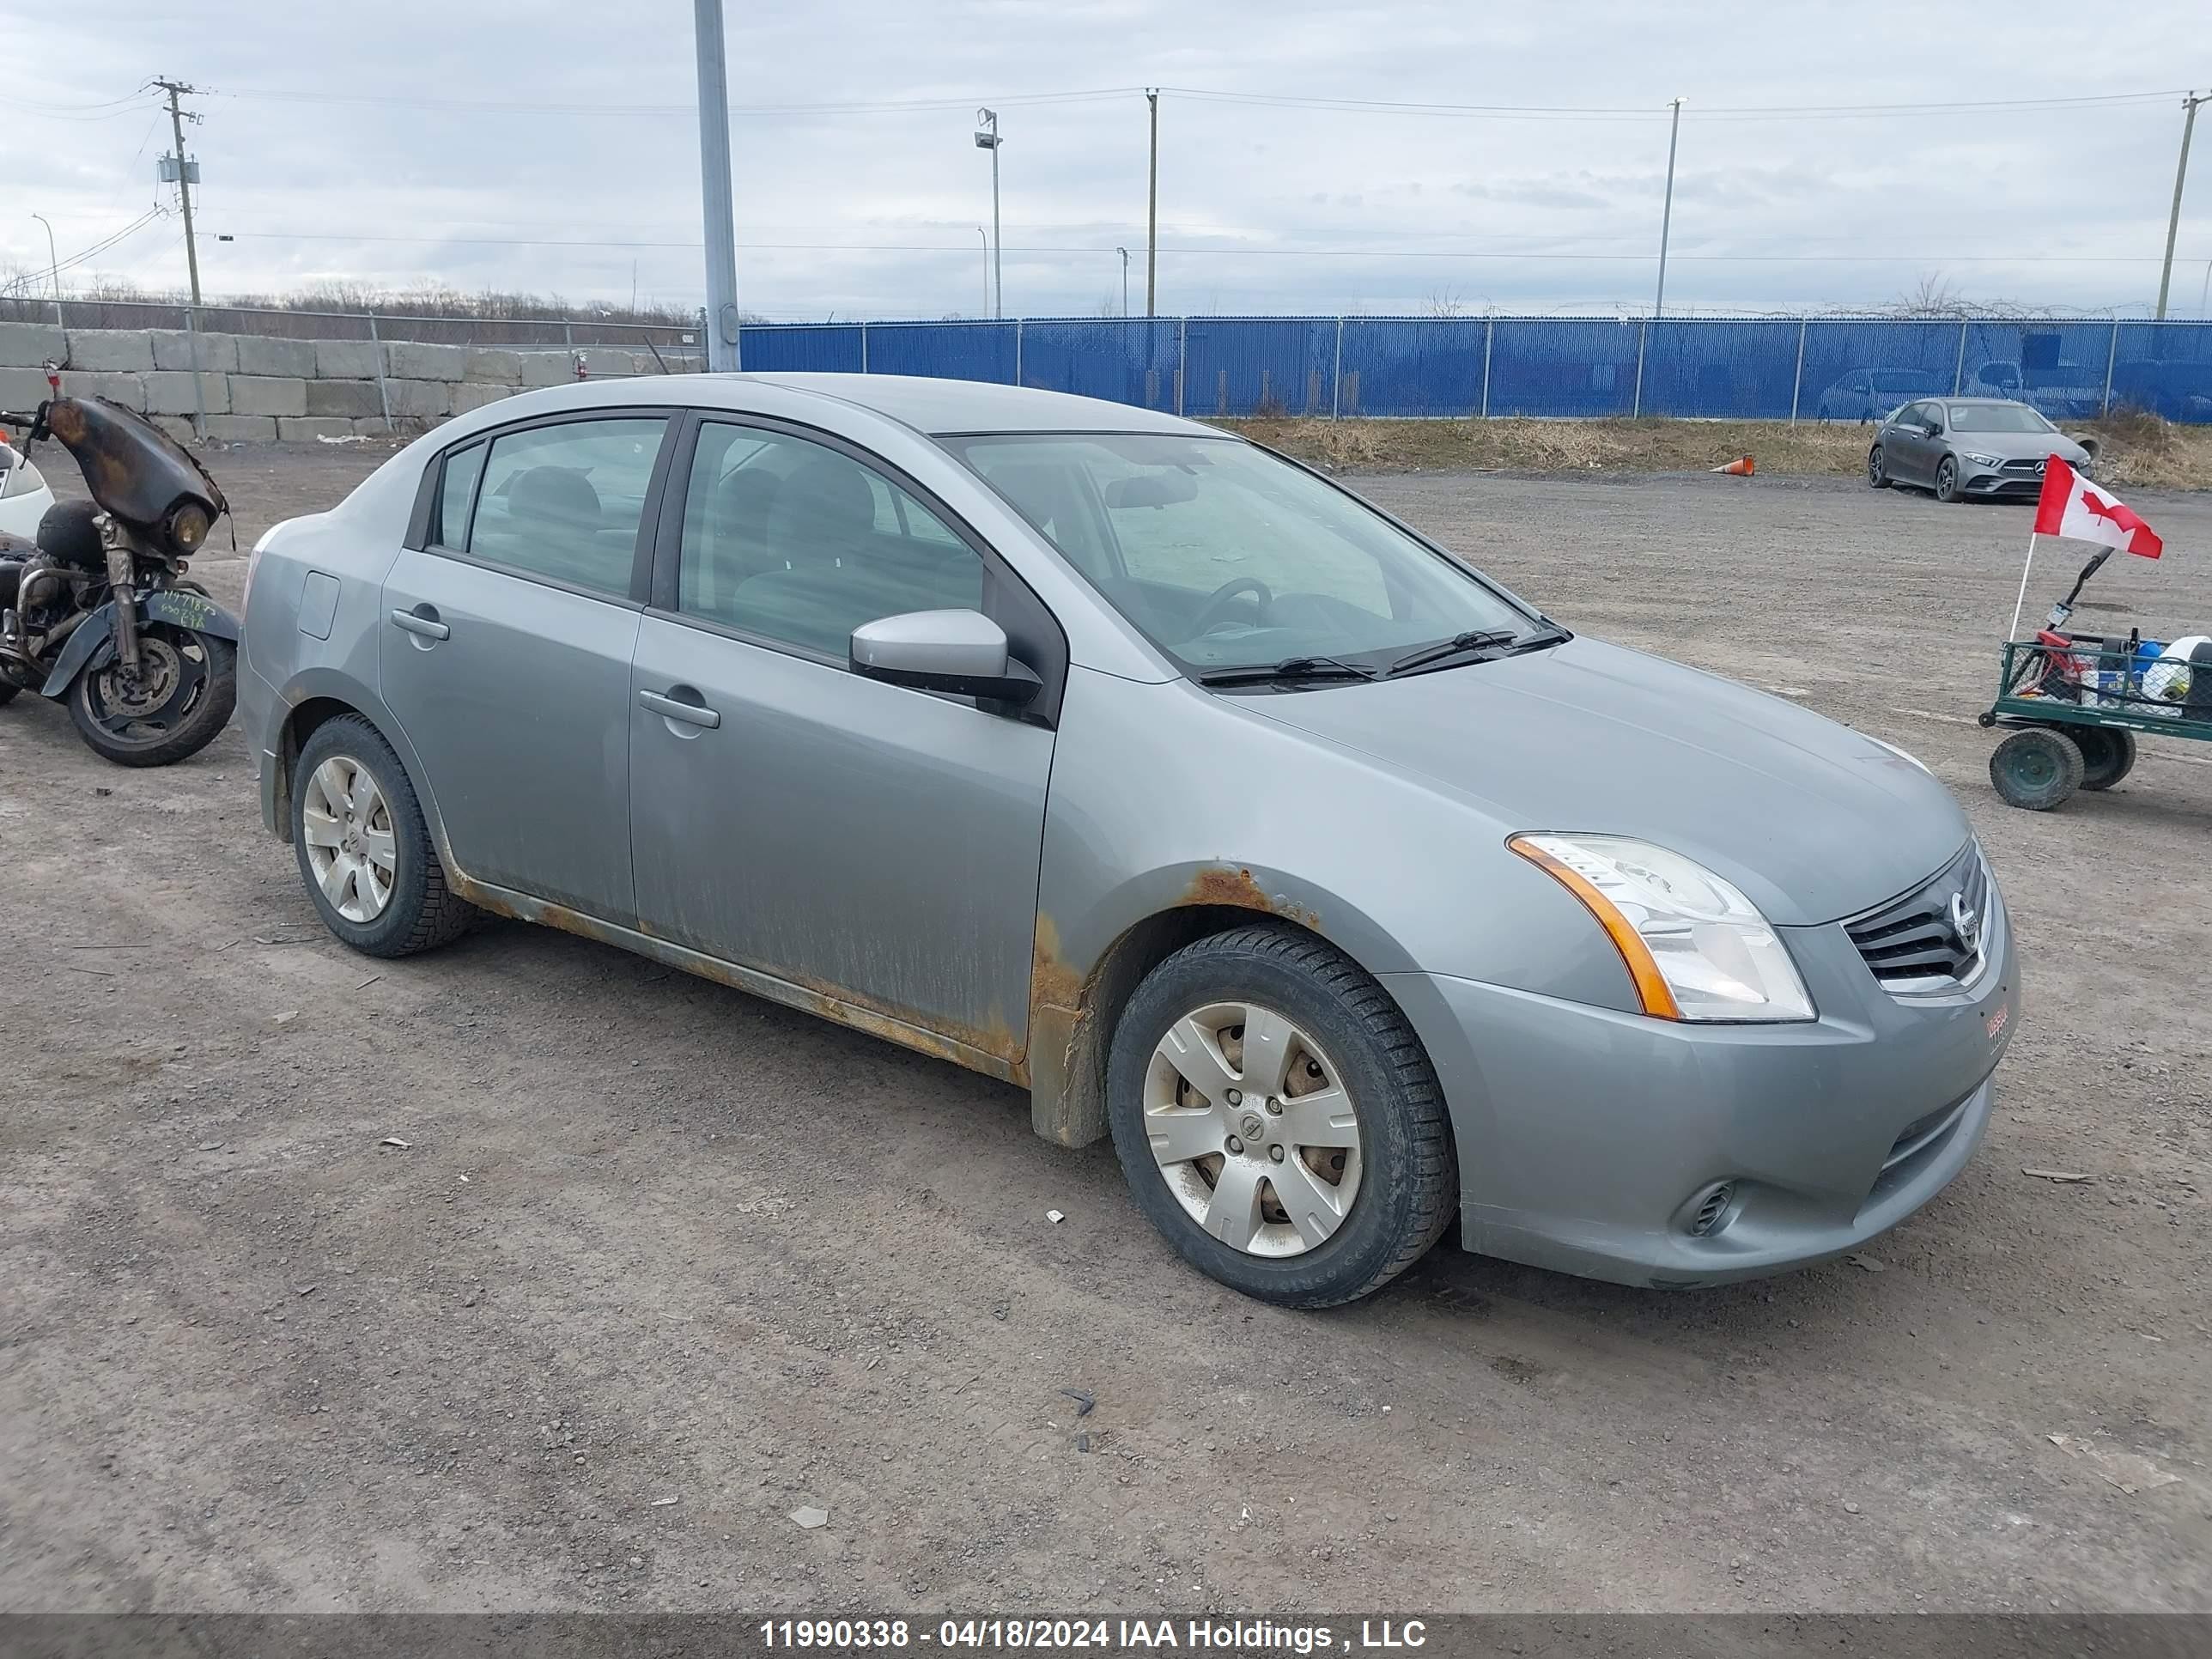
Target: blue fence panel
[[1129, 360], [1251, 365], [1836, 369], [2165, 367], [951, 351], [1412, 366], [1859, 370], [1557, 366], [801, 348], [1718, 367]]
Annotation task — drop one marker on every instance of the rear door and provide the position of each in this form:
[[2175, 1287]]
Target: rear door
[[875, 842], [507, 634]]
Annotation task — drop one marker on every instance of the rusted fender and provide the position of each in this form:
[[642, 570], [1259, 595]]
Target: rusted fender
[[131, 467]]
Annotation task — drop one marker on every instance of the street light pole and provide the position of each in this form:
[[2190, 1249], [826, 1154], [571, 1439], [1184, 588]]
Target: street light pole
[[1124, 253], [723, 350], [54, 269], [1152, 208], [1667, 213], [2174, 220], [991, 141], [986, 236]]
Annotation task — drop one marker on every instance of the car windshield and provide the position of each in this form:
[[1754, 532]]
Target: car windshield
[[1225, 556], [1997, 418]]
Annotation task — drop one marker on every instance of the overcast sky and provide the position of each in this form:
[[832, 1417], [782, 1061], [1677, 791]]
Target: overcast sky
[[553, 149]]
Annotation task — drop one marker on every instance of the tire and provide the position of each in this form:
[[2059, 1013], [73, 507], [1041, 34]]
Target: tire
[[2108, 754], [1947, 480], [117, 729], [1877, 469], [418, 912], [7, 692], [2036, 768], [1400, 1156]]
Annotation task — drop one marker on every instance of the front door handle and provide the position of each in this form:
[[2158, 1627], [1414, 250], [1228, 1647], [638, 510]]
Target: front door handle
[[691, 713], [429, 628]]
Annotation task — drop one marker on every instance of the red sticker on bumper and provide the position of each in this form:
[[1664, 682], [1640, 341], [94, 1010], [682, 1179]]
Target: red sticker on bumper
[[1998, 1020]]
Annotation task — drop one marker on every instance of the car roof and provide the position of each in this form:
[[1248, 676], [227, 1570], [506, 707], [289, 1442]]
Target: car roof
[[2008, 402], [942, 407]]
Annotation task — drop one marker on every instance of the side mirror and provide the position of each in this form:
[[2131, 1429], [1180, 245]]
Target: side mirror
[[961, 652]]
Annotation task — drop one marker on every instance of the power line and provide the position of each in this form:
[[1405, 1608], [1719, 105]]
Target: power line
[[686, 111]]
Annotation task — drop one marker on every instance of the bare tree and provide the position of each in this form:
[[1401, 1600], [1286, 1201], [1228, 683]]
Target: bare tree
[[1445, 302]]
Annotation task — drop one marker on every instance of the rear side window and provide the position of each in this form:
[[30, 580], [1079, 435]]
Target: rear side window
[[457, 493], [565, 501]]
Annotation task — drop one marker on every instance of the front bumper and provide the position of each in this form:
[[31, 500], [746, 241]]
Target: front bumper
[[1986, 484], [1586, 1136]]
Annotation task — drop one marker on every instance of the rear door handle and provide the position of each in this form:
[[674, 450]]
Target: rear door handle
[[691, 713], [428, 627]]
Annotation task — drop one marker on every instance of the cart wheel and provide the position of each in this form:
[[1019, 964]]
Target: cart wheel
[[2036, 768], [2108, 754]]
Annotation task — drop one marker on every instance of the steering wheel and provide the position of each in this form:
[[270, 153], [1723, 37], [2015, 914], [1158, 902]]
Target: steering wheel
[[1217, 603]]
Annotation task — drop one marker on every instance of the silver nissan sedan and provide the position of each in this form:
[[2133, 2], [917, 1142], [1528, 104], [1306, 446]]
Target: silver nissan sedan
[[1117, 757]]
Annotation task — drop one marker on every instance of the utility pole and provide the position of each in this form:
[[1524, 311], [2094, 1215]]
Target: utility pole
[[2174, 220], [176, 117], [1666, 215], [723, 351], [1152, 209], [990, 140]]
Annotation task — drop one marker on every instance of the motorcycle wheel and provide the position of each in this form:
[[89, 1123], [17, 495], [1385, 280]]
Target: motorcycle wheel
[[183, 695]]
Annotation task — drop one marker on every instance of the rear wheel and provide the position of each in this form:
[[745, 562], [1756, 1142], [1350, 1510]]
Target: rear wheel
[[171, 706], [2036, 769], [364, 849], [1947, 480], [1877, 469], [2108, 754], [1277, 1120]]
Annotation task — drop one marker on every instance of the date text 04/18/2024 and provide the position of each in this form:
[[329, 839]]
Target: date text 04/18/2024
[[1106, 1635]]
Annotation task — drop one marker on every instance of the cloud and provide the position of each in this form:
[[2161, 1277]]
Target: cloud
[[473, 145]]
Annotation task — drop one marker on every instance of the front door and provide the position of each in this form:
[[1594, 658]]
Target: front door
[[876, 844], [1905, 445], [506, 655]]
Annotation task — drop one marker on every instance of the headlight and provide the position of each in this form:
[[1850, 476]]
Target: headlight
[[1993, 462], [188, 527], [1695, 948]]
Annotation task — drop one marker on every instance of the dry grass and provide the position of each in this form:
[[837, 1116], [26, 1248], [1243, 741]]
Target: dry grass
[[2135, 448]]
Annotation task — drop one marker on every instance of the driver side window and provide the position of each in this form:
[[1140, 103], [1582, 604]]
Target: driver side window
[[800, 543]]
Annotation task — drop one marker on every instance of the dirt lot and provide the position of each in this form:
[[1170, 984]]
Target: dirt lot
[[662, 1263]]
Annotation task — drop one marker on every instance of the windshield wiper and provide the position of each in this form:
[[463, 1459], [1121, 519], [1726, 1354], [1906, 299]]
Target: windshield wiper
[[1289, 670], [1480, 639]]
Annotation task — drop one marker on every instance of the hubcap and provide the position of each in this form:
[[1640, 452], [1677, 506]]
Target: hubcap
[[351, 846], [1253, 1131]]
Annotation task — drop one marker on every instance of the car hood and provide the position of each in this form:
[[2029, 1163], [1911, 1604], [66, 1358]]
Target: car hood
[[1812, 820], [2018, 446]]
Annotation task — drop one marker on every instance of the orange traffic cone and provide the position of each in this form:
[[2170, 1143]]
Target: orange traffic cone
[[1739, 468]]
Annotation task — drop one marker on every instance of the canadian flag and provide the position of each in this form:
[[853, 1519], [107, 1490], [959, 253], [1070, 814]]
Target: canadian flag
[[2072, 507]]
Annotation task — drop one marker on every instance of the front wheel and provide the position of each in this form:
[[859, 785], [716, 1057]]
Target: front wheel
[[1947, 480], [171, 706], [1276, 1119], [2036, 768]]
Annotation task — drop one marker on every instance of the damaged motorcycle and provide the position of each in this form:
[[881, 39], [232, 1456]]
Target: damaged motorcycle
[[97, 611]]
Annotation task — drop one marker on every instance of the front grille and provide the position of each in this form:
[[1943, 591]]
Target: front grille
[[2025, 468], [1913, 946]]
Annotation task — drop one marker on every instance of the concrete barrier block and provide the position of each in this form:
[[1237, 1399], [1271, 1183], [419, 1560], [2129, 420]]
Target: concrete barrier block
[[129, 390], [243, 428], [609, 360], [22, 388], [419, 399], [351, 400], [548, 368], [173, 347], [468, 395], [169, 392], [27, 345], [494, 365], [177, 426], [261, 394], [127, 349], [261, 355], [346, 360], [374, 427], [306, 428], [411, 359]]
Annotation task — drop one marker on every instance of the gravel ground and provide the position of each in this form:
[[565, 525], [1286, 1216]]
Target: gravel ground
[[662, 1264]]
